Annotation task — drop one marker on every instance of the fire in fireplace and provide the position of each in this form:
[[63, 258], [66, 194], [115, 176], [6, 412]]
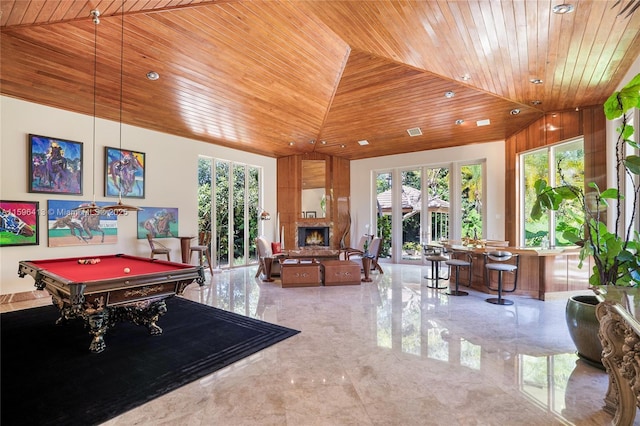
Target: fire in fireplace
[[313, 236]]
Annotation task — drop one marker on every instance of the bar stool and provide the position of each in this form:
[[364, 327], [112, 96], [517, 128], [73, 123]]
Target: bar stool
[[459, 263], [499, 265], [435, 256]]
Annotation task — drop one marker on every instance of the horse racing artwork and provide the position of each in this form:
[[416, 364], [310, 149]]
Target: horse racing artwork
[[68, 227], [19, 223], [55, 165], [159, 222], [124, 173]]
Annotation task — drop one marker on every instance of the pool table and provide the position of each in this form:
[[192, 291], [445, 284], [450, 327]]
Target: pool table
[[113, 288]]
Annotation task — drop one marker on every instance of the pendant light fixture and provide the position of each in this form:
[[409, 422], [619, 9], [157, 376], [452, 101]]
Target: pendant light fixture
[[119, 208], [92, 208]]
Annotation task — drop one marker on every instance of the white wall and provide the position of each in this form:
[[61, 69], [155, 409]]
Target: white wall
[[362, 209], [170, 179]]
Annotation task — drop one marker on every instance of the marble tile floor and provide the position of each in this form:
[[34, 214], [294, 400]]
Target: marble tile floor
[[389, 352]]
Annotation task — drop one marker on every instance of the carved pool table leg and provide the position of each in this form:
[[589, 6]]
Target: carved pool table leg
[[98, 324], [151, 316]]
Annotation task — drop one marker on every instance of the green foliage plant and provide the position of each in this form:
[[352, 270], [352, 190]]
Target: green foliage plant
[[615, 253]]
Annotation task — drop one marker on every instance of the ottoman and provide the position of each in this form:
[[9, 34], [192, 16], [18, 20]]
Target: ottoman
[[341, 272], [296, 273]]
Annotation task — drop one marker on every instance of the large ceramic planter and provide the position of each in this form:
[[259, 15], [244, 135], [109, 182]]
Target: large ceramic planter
[[580, 314]]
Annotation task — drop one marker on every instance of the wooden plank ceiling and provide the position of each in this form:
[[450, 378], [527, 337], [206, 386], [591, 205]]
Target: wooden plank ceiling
[[287, 77]]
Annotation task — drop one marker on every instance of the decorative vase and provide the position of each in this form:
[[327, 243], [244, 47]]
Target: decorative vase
[[583, 325]]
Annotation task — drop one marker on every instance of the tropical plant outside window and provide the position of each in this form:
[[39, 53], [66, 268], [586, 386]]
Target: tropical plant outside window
[[563, 162], [384, 182], [222, 184], [411, 214], [437, 182], [472, 196]]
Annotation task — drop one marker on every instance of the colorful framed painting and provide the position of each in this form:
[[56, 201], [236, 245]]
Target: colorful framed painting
[[160, 222], [19, 223], [69, 227], [125, 170], [55, 165]]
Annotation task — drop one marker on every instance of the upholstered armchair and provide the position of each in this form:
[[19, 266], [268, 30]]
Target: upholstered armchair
[[374, 252], [263, 249], [357, 250]]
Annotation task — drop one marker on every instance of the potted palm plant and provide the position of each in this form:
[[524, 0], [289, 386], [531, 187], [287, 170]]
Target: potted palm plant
[[614, 251]]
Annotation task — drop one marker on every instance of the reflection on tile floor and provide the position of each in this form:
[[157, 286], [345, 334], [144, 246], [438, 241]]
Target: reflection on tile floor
[[390, 352]]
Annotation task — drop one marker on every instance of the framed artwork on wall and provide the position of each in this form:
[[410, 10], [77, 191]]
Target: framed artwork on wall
[[310, 214], [160, 222], [69, 227], [124, 173], [19, 223], [55, 165]]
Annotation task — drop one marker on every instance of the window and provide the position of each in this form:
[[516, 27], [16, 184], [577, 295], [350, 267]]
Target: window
[[228, 200], [431, 189], [557, 164], [472, 195]]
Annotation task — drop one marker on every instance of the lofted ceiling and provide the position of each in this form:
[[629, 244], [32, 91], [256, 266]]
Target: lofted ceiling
[[289, 77]]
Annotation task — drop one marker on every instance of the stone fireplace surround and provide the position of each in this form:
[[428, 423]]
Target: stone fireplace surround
[[322, 228]]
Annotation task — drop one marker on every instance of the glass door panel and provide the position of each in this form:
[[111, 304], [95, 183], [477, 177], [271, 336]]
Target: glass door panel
[[437, 204], [221, 210], [253, 201], [205, 170], [384, 205], [411, 224], [239, 236]]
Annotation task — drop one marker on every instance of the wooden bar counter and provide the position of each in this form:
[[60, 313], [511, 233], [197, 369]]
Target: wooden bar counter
[[540, 271]]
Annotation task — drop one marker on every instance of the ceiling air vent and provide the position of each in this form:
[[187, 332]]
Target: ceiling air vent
[[415, 131]]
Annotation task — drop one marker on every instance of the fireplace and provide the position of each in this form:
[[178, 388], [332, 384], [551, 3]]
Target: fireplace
[[314, 236]]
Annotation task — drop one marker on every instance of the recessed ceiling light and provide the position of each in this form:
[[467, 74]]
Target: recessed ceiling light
[[485, 122], [459, 121], [514, 111], [465, 77], [415, 131], [363, 142], [153, 76], [536, 81], [291, 143], [536, 102], [449, 94], [323, 142], [561, 9], [343, 146], [312, 141]]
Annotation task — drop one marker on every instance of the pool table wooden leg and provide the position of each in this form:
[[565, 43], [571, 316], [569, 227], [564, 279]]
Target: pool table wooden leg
[[98, 324]]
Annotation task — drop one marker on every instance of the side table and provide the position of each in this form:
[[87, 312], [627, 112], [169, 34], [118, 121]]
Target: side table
[[366, 267], [268, 263]]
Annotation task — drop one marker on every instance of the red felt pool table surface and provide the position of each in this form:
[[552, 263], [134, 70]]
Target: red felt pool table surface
[[109, 267]]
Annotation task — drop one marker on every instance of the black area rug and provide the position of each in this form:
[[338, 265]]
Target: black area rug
[[48, 376]]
